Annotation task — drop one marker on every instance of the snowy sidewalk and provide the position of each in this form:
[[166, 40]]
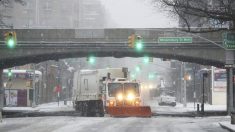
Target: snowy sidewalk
[[54, 107], [180, 107], [227, 125], [19, 109], [48, 107]]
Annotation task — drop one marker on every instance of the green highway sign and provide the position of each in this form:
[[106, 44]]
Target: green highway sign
[[229, 40], [175, 40]]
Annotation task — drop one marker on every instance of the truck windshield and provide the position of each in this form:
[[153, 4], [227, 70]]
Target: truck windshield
[[131, 87], [114, 89]]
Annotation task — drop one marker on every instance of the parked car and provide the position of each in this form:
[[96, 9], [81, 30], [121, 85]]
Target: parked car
[[167, 100]]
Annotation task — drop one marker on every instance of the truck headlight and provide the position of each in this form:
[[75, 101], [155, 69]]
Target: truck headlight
[[130, 96], [120, 97], [110, 103], [137, 102]]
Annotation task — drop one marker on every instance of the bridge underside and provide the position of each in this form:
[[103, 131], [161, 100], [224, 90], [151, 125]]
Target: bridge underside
[[204, 57], [37, 45]]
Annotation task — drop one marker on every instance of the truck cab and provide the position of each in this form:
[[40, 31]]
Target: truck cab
[[120, 92]]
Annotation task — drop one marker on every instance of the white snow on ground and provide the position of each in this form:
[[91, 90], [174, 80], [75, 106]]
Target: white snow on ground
[[53, 107], [180, 107], [228, 125], [19, 109], [48, 107], [109, 124]]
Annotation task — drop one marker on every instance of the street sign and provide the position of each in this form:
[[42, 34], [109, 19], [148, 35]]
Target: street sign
[[57, 89], [175, 40], [229, 65], [229, 40]]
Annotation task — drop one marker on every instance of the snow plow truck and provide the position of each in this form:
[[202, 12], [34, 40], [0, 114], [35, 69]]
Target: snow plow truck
[[101, 91]]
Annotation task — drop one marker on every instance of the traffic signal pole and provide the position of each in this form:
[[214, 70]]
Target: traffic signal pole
[[34, 88], [1, 94]]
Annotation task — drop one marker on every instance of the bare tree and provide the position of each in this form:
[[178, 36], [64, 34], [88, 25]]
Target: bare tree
[[7, 4], [214, 13]]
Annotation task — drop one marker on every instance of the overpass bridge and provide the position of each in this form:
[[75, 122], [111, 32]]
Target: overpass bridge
[[36, 45]]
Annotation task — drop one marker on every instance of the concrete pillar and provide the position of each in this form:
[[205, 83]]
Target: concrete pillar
[[228, 94], [230, 61], [231, 87], [231, 90]]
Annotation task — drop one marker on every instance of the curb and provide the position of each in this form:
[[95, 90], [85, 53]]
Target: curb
[[227, 128], [174, 115], [191, 114]]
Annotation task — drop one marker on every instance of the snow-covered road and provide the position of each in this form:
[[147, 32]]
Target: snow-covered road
[[109, 124]]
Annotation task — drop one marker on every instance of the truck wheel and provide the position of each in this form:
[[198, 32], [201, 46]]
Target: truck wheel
[[99, 115]]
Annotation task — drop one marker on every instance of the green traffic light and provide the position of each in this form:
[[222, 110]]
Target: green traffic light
[[91, 60], [133, 76], [151, 76], [10, 43], [137, 69], [139, 46], [9, 73], [146, 60]]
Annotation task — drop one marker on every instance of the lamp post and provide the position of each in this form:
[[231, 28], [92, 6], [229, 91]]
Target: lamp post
[[194, 86], [204, 75], [34, 88]]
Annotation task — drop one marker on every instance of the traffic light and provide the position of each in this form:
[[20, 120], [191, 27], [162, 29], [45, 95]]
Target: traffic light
[[9, 73], [137, 69], [10, 39], [139, 43], [146, 60], [151, 76], [131, 41], [135, 41], [133, 76], [91, 59]]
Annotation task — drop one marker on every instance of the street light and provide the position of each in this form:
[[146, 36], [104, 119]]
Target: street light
[[204, 75]]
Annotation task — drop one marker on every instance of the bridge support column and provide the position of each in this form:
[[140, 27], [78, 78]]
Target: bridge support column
[[230, 91], [230, 61]]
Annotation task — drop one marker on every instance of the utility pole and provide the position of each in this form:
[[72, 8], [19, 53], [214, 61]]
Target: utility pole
[[1, 94], [183, 82], [185, 95], [194, 86], [46, 82], [204, 75], [34, 88]]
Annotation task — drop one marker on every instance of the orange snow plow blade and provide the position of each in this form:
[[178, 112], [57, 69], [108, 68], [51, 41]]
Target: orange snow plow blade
[[129, 111]]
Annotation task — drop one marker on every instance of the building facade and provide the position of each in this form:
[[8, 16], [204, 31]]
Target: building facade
[[55, 14]]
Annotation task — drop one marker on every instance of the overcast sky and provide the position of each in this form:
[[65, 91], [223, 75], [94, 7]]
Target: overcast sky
[[137, 14]]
